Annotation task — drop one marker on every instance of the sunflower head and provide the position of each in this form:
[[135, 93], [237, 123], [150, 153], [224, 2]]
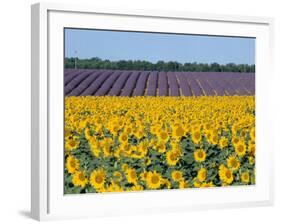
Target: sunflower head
[[71, 144], [172, 157], [153, 180], [202, 174], [131, 175], [178, 131], [163, 136], [245, 177], [123, 138], [240, 149], [196, 136], [223, 142], [97, 179], [183, 184], [225, 175], [199, 155], [79, 179], [177, 175], [233, 163], [72, 164]]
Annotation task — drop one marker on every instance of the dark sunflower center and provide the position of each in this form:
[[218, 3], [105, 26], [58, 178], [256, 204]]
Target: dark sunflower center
[[173, 157], [72, 163], [228, 174], [81, 176], [98, 179], [72, 143], [240, 148], [155, 179], [179, 131], [200, 154]]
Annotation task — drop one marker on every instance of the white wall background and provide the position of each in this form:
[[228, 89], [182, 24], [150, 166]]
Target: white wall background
[[15, 110]]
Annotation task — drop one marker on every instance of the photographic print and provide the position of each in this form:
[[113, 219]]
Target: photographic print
[[157, 111]]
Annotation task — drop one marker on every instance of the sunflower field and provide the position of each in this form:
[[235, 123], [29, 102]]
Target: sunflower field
[[115, 144]]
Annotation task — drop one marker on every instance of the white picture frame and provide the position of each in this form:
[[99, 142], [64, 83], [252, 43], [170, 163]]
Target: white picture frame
[[47, 198]]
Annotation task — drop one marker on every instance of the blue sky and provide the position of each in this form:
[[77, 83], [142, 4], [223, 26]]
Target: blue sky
[[115, 45]]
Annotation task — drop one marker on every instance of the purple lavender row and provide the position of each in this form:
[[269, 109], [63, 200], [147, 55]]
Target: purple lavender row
[[184, 85], [173, 84], [97, 83], [152, 84], [239, 87], [106, 86], [216, 86], [69, 71], [130, 84], [141, 84], [195, 88], [71, 76], [162, 84], [119, 84], [208, 90], [76, 81], [85, 84]]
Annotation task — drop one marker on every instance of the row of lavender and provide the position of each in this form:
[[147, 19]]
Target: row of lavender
[[83, 82]]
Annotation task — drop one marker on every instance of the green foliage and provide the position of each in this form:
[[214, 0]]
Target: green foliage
[[97, 63]]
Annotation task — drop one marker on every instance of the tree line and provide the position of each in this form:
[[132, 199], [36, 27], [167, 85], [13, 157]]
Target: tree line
[[97, 63]]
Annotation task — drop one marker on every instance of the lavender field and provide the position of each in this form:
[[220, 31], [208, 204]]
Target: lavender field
[[85, 82]]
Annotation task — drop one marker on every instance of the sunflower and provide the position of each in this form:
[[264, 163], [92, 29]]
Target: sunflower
[[124, 167], [199, 155], [72, 164], [117, 176], [177, 176], [143, 176], [235, 140], [223, 142], [251, 160], [153, 180], [166, 183], [172, 157], [235, 128], [253, 134], [202, 174], [225, 174], [196, 183], [214, 138], [136, 188], [79, 179], [178, 132], [131, 175], [183, 184], [97, 179], [233, 163], [245, 177], [252, 148], [123, 138], [240, 148], [207, 184], [196, 136], [106, 147], [71, 144], [87, 133], [161, 147], [114, 187], [95, 147], [163, 136]]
